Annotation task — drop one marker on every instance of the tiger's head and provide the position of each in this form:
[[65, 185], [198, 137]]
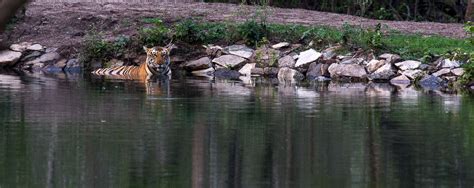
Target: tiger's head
[[158, 58]]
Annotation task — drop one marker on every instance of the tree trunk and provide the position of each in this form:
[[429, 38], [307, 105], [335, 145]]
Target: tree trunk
[[469, 11], [8, 9]]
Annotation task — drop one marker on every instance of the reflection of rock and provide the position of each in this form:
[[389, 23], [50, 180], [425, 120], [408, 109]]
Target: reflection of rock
[[11, 82], [205, 72], [287, 75], [380, 89], [226, 74], [347, 89]]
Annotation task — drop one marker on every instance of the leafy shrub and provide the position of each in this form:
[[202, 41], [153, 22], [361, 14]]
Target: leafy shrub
[[193, 32], [469, 27], [158, 34], [252, 31]]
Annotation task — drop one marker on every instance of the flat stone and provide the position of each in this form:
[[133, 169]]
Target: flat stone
[[286, 61], [266, 57], [281, 45], [317, 70], [349, 70], [199, 64], [46, 58], [8, 58], [257, 71], [458, 71], [401, 81], [383, 73], [288, 75], [330, 53], [447, 63], [390, 58], [353, 61], [373, 65], [408, 65], [35, 47], [442, 72], [431, 82], [413, 74], [20, 47], [229, 61], [307, 57], [31, 56], [239, 50], [247, 69]]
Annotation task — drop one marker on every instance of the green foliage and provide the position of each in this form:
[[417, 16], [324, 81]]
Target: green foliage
[[357, 37], [251, 31], [469, 27], [96, 48], [193, 32], [157, 34]]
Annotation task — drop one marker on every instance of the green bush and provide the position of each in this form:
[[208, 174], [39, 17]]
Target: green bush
[[194, 32], [251, 32], [469, 27], [158, 34]]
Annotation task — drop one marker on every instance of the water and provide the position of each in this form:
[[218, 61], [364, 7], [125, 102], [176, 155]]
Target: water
[[70, 131]]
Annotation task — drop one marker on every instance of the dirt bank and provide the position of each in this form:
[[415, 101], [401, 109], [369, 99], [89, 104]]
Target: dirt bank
[[63, 25]]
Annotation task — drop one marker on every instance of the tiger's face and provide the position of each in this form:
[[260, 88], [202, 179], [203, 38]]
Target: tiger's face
[[157, 58]]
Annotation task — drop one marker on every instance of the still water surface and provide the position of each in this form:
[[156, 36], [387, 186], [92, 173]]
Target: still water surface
[[70, 131]]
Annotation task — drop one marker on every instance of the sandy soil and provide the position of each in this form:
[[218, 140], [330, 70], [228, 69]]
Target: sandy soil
[[63, 25]]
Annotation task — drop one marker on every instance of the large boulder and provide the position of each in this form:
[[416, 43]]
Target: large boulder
[[271, 72], [317, 70], [9, 58], [401, 81], [288, 75], [442, 72], [408, 65], [286, 61], [348, 70], [447, 63], [199, 64], [20, 47], [229, 61], [239, 50], [390, 58], [383, 73], [458, 71], [432, 82], [413, 74], [46, 58], [307, 57]]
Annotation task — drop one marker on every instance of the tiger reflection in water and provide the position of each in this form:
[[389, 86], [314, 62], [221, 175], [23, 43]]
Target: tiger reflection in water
[[157, 65]]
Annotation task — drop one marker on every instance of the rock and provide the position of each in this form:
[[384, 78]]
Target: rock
[[239, 50], [450, 78], [281, 45], [390, 58], [257, 71], [373, 65], [229, 61], [383, 73], [353, 61], [401, 81], [115, 63], [413, 74], [45, 58], [349, 70], [288, 75], [424, 67], [266, 57], [56, 67], [73, 65], [204, 72], [247, 69], [307, 57], [226, 74], [20, 47], [31, 56], [458, 71], [35, 47], [431, 82], [9, 58], [447, 63], [321, 79], [408, 65], [317, 70], [330, 53], [442, 72], [286, 61], [271, 72], [199, 64]]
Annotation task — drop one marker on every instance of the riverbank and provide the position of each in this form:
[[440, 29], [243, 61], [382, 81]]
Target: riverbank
[[100, 35]]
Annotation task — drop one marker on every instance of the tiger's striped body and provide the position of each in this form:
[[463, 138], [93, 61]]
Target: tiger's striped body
[[157, 63]]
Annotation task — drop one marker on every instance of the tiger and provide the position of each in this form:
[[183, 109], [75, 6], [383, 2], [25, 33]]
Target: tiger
[[157, 64]]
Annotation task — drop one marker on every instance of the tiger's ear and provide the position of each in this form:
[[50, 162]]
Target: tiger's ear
[[145, 48]]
